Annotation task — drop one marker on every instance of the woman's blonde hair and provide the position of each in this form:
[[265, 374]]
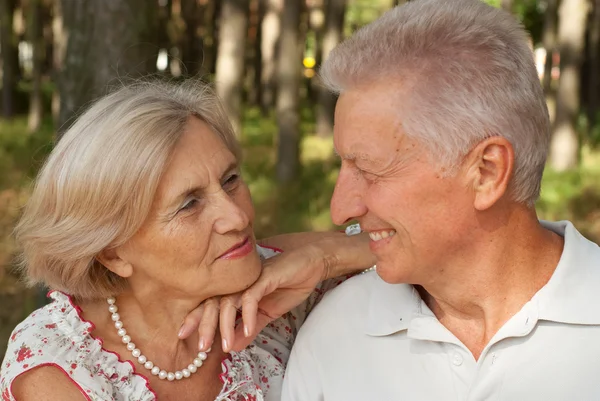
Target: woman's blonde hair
[[97, 186]]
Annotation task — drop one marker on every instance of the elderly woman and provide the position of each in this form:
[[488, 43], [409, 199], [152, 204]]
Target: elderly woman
[[138, 216]]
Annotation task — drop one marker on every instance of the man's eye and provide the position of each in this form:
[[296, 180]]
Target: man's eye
[[367, 176], [232, 180]]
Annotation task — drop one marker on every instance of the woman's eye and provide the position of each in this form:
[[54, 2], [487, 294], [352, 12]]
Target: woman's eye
[[189, 204]]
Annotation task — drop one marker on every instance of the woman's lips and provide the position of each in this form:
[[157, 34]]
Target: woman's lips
[[239, 250]]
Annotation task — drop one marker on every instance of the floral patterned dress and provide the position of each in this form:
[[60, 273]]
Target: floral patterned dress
[[56, 335]]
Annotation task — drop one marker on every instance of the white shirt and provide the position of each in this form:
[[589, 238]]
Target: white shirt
[[369, 340]]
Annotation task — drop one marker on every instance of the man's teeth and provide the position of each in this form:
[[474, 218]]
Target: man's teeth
[[379, 235]]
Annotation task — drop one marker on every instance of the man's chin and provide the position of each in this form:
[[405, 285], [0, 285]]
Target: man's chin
[[391, 274]]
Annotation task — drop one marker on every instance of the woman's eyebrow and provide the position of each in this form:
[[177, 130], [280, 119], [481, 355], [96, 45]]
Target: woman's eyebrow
[[198, 189]]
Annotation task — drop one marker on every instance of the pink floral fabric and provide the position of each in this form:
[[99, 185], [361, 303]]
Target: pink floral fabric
[[56, 335]]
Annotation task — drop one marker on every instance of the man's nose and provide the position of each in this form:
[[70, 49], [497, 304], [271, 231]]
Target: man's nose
[[347, 200]]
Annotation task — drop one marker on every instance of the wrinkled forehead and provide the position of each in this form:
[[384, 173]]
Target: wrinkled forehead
[[368, 125], [200, 157]]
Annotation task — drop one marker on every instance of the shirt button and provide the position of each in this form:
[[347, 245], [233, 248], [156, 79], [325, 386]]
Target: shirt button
[[457, 359]]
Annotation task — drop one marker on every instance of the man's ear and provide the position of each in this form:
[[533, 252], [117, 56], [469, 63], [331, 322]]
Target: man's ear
[[111, 259], [490, 167]]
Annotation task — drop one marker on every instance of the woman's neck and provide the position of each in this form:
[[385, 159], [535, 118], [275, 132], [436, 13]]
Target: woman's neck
[[152, 319]]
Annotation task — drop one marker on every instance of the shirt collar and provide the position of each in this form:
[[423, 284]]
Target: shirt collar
[[391, 307], [572, 295]]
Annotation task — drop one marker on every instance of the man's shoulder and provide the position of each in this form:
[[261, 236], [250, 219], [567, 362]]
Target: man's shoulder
[[345, 309]]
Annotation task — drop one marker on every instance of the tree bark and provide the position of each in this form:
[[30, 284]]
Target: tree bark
[[288, 103], [271, 28], [37, 41], [123, 35], [334, 30], [564, 147], [10, 62], [230, 58]]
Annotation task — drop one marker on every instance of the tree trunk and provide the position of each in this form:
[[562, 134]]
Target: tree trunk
[[316, 24], [208, 32], [36, 39], [564, 147], [123, 35], [334, 30], [594, 65], [253, 61], [176, 28], [230, 58], [10, 63], [288, 96], [271, 28], [59, 50], [507, 5], [549, 41], [192, 46]]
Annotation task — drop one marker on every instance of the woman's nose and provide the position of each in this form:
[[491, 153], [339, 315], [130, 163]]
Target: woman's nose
[[230, 216]]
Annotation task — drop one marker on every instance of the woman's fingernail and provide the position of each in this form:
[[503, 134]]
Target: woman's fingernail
[[181, 331], [246, 332], [201, 344], [225, 345]]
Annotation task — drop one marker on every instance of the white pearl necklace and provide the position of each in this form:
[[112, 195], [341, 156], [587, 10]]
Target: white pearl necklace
[[137, 354]]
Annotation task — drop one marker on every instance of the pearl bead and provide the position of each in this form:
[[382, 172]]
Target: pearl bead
[[142, 359]]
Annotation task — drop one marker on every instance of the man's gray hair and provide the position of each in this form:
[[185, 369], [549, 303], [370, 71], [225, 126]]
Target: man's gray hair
[[467, 72]]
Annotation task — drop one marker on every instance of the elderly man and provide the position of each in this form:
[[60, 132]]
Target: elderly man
[[443, 133]]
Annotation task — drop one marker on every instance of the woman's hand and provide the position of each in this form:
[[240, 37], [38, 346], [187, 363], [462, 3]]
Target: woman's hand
[[286, 281]]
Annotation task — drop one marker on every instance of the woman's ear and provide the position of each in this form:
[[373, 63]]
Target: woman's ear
[[111, 259], [491, 166]]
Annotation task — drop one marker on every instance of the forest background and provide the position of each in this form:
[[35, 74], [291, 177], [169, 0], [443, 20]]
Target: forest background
[[57, 56]]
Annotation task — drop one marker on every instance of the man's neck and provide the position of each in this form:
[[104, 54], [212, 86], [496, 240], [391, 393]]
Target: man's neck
[[476, 295]]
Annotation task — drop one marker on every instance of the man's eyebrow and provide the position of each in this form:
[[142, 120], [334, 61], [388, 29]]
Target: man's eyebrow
[[357, 157]]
